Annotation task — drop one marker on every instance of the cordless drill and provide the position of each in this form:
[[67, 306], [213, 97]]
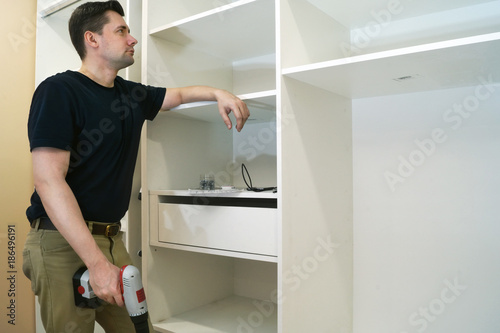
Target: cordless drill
[[132, 293]]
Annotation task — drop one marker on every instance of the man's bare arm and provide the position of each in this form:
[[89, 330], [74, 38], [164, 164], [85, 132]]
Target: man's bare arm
[[50, 166]]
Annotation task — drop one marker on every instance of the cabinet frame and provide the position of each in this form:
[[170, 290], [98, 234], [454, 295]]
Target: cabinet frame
[[313, 89]]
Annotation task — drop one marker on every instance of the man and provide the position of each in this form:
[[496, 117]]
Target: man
[[84, 128]]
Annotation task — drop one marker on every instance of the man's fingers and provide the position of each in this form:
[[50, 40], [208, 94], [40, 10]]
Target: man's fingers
[[228, 103], [113, 298], [225, 117], [240, 112], [119, 300], [105, 282], [241, 115]]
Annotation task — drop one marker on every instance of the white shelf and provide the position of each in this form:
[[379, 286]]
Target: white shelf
[[448, 64], [262, 107], [225, 316], [380, 26], [241, 193], [216, 252], [227, 32]]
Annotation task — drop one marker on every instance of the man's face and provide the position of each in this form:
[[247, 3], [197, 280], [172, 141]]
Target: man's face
[[116, 43]]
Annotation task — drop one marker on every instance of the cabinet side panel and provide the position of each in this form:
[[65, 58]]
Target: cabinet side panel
[[133, 17], [316, 263]]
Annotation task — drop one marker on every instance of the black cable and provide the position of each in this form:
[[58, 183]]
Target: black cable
[[250, 186], [243, 171]]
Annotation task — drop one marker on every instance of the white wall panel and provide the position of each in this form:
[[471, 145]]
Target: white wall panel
[[426, 193]]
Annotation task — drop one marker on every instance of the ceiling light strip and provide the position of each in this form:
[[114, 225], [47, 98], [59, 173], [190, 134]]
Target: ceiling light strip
[[57, 6]]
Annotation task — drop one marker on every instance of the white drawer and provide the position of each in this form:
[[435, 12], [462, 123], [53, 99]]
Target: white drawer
[[240, 229]]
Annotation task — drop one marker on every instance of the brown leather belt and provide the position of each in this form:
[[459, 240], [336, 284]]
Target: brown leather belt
[[96, 228]]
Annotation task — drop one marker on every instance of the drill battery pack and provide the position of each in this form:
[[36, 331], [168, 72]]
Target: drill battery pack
[[84, 295]]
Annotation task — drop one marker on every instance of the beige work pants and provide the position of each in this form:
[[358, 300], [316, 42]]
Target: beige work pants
[[50, 263]]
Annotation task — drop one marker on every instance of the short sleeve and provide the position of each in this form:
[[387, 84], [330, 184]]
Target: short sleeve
[[52, 119], [150, 98]]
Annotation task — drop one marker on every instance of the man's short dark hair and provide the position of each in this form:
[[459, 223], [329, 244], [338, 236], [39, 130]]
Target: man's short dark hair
[[90, 16]]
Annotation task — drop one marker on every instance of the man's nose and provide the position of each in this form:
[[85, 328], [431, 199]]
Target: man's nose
[[133, 41]]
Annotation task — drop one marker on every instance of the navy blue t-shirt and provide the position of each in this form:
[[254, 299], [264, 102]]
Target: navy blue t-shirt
[[101, 127]]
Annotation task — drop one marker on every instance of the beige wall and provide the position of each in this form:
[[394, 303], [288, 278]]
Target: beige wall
[[17, 23]]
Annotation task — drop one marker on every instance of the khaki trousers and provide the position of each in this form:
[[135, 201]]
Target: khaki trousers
[[50, 263]]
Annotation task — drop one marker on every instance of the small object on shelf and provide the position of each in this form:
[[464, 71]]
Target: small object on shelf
[[207, 182]]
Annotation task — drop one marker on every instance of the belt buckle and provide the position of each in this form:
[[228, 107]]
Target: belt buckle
[[111, 230]]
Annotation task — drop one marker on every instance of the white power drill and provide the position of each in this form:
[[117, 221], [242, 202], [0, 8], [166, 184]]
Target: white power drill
[[132, 293]]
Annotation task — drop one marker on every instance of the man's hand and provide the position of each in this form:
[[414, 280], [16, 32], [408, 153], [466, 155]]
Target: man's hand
[[228, 103], [105, 281]]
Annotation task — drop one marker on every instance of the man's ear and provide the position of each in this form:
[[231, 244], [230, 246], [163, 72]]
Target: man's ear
[[90, 39]]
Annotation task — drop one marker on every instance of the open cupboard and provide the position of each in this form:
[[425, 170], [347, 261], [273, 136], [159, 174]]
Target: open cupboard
[[276, 274], [211, 258], [298, 64]]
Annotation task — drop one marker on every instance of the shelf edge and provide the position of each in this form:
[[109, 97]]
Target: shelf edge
[[212, 251], [199, 16], [243, 97], [242, 194], [393, 53]]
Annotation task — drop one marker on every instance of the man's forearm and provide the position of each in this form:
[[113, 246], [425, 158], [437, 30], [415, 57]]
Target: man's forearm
[[198, 93], [63, 210], [190, 94], [50, 166]]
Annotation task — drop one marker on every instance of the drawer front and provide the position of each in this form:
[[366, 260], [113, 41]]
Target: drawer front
[[241, 229]]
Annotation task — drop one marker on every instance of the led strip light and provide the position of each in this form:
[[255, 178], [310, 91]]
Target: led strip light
[[57, 6]]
